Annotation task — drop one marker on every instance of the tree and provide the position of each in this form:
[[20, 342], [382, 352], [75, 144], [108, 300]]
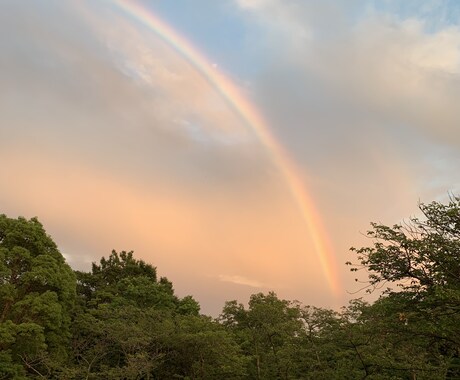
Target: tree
[[269, 331], [37, 293], [201, 348], [125, 319], [420, 258]]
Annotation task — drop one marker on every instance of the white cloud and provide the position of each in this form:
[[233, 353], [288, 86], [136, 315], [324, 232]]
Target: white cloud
[[391, 68], [253, 4]]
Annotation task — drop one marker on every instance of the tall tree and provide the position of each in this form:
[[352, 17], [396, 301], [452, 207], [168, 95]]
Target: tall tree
[[420, 260], [37, 293], [130, 322]]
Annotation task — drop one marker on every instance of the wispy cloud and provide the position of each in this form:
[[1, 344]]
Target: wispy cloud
[[240, 280]]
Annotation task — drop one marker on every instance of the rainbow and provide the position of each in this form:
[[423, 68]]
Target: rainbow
[[248, 113]]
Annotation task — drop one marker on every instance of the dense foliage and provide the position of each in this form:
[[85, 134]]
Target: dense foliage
[[120, 321], [37, 294]]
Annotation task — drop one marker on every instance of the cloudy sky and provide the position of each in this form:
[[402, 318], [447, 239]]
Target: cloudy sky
[[113, 136]]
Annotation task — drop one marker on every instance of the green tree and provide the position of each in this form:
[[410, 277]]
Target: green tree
[[420, 260], [37, 293], [125, 320], [200, 348], [269, 331], [421, 256]]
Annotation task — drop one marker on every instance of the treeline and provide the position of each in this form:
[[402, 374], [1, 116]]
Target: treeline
[[120, 321]]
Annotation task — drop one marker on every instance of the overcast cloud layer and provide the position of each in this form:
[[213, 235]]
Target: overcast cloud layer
[[115, 141]]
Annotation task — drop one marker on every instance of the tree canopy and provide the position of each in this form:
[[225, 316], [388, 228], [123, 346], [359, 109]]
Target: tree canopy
[[121, 321], [37, 293], [420, 259]]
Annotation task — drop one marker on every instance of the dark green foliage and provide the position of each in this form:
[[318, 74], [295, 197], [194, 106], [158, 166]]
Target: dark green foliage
[[270, 333], [200, 348], [132, 326], [37, 292], [123, 313]]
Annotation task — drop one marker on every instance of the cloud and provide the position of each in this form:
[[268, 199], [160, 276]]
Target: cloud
[[367, 83], [240, 280], [386, 66], [118, 98], [254, 4], [364, 96]]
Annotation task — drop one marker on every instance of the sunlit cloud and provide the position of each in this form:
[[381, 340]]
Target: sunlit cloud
[[239, 280]]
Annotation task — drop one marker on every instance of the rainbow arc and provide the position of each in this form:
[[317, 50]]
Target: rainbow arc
[[253, 119]]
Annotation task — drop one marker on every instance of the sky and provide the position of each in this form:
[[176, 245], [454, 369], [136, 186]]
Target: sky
[[240, 146]]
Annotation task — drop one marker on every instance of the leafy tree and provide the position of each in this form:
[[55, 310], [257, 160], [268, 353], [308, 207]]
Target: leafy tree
[[125, 320], [112, 275], [200, 348], [37, 293], [268, 331], [421, 258], [322, 353], [120, 342]]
